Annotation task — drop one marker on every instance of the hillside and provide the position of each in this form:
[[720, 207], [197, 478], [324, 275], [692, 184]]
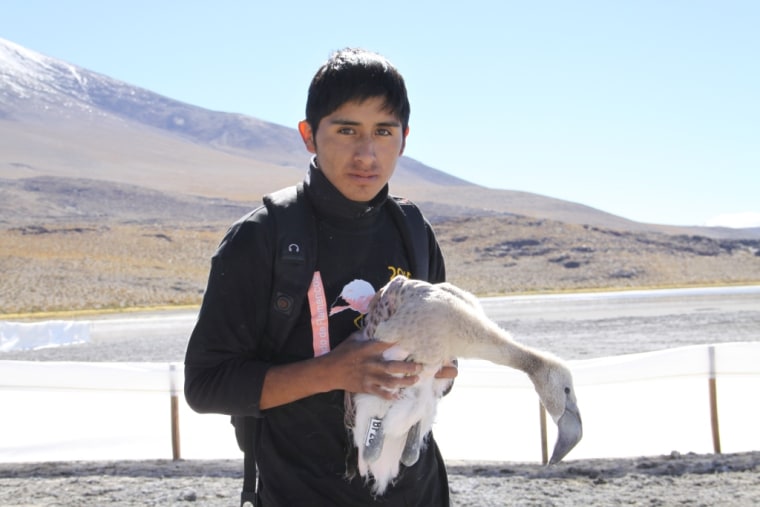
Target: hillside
[[112, 196], [81, 244]]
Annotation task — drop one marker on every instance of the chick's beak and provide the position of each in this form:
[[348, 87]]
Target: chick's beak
[[570, 431]]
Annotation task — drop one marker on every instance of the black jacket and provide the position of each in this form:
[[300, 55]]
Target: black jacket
[[301, 447]]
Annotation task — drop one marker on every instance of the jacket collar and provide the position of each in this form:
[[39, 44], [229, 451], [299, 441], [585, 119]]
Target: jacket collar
[[329, 203]]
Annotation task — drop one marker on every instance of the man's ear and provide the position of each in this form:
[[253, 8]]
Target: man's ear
[[403, 142], [307, 135]]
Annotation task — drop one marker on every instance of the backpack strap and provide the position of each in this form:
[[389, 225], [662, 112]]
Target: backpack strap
[[413, 228], [245, 431], [295, 258], [295, 254]]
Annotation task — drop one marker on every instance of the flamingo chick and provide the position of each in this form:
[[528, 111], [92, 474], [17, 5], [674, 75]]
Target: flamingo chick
[[431, 324]]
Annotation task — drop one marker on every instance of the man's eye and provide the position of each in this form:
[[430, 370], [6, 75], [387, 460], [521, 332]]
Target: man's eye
[[345, 130], [384, 132]]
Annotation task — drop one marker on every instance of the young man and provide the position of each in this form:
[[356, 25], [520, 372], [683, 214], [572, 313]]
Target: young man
[[357, 117]]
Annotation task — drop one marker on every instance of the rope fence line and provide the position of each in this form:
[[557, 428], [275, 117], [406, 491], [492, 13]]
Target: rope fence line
[[711, 362]]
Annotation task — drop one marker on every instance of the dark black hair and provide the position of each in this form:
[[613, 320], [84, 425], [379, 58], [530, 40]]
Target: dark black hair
[[353, 74]]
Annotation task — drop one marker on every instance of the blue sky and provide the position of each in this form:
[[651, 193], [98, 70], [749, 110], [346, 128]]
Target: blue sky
[[645, 109]]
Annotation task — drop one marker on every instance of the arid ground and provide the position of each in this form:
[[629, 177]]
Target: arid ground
[[83, 266]]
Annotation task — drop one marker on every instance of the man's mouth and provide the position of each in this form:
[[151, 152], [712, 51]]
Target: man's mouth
[[363, 177]]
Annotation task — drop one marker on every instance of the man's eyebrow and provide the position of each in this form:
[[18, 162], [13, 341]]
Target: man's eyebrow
[[393, 123], [345, 121]]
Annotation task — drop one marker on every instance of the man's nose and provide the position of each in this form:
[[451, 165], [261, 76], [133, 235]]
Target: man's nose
[[365, 148]]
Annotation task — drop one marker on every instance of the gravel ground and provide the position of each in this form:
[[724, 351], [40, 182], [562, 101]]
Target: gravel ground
[[677, 480]]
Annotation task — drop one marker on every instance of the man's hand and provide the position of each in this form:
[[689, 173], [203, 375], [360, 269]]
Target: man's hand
[[359, 367]]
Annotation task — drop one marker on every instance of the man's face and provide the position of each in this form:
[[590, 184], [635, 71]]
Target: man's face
[[357, 147]]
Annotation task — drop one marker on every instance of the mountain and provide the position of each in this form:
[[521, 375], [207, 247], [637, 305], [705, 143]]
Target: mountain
[[58, 120]]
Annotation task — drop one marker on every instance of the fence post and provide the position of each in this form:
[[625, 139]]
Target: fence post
[[544, 437], [176, 455], [713, 389]]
